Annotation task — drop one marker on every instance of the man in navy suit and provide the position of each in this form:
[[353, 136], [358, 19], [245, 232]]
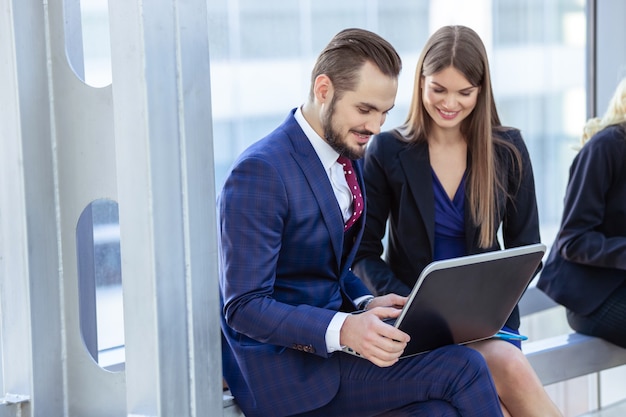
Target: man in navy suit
[[286, 245]]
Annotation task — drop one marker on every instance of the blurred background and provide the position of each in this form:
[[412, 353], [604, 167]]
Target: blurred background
[[261, 55]]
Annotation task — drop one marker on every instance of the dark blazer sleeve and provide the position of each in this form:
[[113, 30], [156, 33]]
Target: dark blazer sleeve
[[253, 207], [520, 220], [588, 258], [593, 230], [369, 265]]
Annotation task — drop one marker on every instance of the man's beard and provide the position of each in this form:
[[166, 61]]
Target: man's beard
[[334, 138]]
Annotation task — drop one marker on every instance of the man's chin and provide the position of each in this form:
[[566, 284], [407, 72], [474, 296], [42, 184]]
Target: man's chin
[[354, 153], [359, 151]]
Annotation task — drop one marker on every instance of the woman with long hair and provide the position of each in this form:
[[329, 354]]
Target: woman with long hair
[[445, 182]]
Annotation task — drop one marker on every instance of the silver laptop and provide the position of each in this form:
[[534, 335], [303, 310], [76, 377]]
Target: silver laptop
[[466, 299]]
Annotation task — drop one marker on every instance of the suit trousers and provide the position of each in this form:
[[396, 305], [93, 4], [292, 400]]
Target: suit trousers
[[449, 381]]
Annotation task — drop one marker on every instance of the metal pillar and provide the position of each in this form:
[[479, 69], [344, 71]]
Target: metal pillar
[[144, 142], [162, 115]]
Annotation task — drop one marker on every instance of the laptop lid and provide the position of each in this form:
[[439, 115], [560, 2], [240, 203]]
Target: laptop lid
[[466, 299]]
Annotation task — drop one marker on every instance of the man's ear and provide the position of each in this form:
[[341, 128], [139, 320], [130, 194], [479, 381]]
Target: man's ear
[[323, 88]]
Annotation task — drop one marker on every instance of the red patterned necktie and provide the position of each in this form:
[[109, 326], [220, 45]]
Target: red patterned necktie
[[357, 196]]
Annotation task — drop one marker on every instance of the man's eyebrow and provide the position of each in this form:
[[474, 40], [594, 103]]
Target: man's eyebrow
[[375, 108]]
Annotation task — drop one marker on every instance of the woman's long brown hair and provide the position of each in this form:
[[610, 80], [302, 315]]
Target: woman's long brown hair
[[462, 48]]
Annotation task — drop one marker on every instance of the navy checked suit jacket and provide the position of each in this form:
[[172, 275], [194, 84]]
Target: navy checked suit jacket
[[281, 277], [398, 178], [587, 261]]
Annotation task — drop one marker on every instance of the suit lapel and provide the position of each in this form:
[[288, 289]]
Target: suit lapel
[[416, 165], [313, 170]]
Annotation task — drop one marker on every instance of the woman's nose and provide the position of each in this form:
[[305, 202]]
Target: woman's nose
[[450, 101]]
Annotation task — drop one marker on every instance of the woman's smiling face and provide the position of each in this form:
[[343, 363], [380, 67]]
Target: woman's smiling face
[[448, 97]]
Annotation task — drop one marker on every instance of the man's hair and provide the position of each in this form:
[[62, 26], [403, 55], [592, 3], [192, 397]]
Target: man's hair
[[347, 52]]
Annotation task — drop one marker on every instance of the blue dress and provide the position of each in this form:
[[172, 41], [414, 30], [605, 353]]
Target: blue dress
[[450, 227], [449, 221]]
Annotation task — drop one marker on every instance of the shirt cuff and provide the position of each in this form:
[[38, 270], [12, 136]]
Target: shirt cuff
[[333, 331], [359, 300]]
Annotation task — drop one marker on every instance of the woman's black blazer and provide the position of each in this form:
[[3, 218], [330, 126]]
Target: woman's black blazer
[[587, 261], [399, 187]]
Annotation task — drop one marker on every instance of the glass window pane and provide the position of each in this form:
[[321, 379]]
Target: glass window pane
[[100, 283]]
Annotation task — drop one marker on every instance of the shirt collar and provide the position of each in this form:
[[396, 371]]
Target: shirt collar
[[324, 151]]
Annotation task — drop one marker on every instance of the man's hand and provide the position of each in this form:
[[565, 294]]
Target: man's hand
[[367, 334], [389, 300]]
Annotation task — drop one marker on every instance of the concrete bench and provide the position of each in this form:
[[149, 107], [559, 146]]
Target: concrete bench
[[567, 356], [555, 359], [563, 357], [230, 406]]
